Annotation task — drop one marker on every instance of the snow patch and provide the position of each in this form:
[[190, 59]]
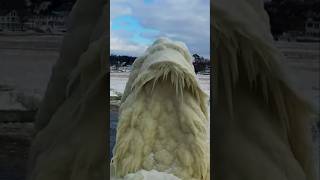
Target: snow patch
[[148, 175]]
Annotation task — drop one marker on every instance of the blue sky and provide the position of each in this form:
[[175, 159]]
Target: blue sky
[[135, 24]]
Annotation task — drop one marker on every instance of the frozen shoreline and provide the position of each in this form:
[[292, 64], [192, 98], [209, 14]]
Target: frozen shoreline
[[24, 70], [118, 82]]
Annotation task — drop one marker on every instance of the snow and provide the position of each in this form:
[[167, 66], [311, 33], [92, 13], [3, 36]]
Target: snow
[[24, 72], [25, 67], [7, 102], [303, 67], [146, 175], [113, 93], [118, 82]]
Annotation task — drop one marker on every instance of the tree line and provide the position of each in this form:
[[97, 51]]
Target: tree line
[[289, 15], [200, 63], [29, 8]]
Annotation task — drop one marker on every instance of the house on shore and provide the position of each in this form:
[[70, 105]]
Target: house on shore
[[10, 21], [311, 32], [55, 22], [312, 28]]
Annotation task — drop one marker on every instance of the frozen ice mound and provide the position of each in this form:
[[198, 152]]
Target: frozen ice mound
[[148, 175]]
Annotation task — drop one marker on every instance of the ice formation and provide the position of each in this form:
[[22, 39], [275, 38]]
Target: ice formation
[[148, 175], [70, 141], [163, 119], [262, 127]]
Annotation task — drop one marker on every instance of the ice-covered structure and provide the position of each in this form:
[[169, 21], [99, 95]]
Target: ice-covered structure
[[261, 124], [163, 121], [70, 141]]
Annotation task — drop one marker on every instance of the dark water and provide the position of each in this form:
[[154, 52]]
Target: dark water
[[113, 129], [13, 157]]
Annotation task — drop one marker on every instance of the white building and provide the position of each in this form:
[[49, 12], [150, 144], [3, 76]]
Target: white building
[[10, 21], [51, 23], [311, 0], [312, 28]]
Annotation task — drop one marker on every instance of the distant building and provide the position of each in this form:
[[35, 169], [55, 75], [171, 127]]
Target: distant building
[[10, 21], [127, 68], [55, 23], [311, 33], [306, 1], [312, 28], [311, 1]]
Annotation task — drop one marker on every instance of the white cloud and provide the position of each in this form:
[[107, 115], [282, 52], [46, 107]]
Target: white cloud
[[122, 46], [184, 20], [119, 9]]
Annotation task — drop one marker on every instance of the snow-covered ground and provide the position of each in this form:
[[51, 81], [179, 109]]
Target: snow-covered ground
[[25, 67], [118, 82], [303, 67]]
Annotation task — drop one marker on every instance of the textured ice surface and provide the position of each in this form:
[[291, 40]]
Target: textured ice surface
[[148, 175]]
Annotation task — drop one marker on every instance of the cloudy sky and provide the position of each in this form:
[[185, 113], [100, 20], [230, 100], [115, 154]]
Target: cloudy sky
[[135, 24]]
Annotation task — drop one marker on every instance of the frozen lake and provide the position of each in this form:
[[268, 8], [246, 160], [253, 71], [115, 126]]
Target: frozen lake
[[118, 82], [25, 66]]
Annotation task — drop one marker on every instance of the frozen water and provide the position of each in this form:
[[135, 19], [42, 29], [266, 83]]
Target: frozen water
[[25, 66], [118, 82]]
